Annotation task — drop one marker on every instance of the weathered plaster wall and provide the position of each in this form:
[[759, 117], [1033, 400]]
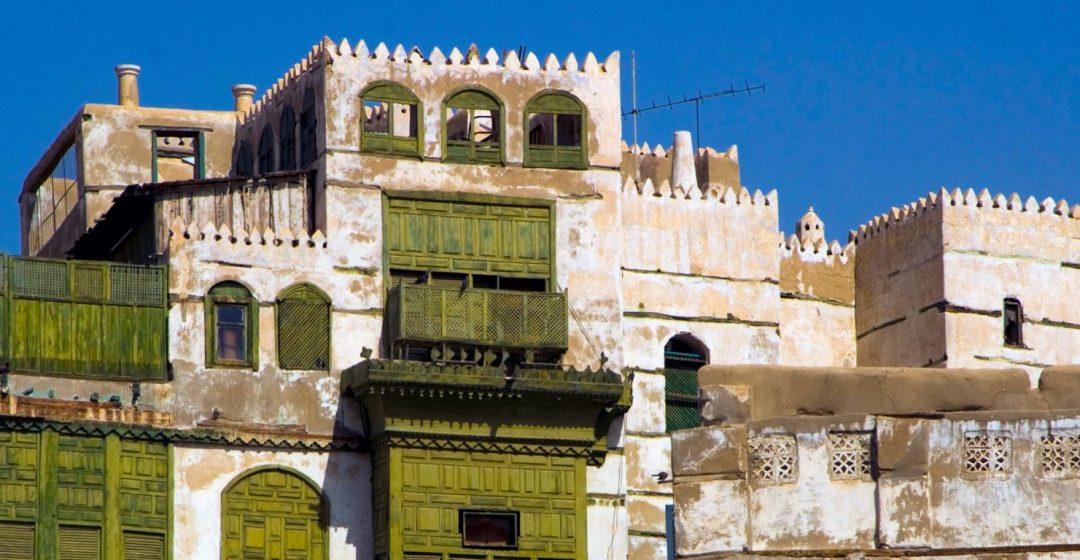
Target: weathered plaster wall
[[817, 305], [922, 487], [1004, 248], [899, 280], [202, 474], [712, 168]]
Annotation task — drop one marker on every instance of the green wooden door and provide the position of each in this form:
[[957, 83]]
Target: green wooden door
[[273, 514]]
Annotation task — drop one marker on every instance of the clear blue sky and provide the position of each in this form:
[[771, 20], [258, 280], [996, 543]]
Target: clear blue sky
[[868, 106]]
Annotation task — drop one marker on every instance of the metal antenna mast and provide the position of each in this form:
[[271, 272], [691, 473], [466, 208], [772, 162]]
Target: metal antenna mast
[[697, 100]]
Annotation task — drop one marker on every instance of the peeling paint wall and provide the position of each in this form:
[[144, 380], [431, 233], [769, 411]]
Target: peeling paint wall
[[984, 470]]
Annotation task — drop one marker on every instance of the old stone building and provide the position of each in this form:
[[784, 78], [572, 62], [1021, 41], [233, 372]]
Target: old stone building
[[420, 305]]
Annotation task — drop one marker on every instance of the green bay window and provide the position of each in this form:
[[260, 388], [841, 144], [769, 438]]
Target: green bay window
[[472, 127], [390, 121], [232, 326], [556, 132]]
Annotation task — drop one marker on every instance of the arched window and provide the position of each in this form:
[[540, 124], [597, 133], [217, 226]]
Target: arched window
[[303, 328], [245, 161], [287, 154], [556, 132], [683, 356], [390, 122], [472, 127], [266, 151], [308, 129], [273, 512], [232, 326], [1013, 315]]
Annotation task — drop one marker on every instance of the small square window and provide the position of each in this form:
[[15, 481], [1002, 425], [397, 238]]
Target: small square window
[[489, 529]]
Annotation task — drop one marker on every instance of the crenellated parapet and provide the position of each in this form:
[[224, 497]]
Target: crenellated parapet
[[315, 57], [711, 168]]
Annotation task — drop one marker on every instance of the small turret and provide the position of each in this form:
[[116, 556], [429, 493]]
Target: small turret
[[809, 228]]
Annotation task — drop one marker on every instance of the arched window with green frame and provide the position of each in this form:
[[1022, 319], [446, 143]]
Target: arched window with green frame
[[303, 328], [390, 121], [232, 327], [472, 127], [683, 356], [556, 136], [273, 512]]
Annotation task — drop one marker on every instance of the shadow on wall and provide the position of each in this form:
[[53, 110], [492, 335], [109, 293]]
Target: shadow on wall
[[349, 473]]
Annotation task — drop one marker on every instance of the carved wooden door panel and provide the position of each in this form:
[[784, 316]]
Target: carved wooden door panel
[[273, 515]]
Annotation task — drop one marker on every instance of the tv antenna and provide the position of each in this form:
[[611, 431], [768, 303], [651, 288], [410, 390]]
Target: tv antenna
[[697, 100]]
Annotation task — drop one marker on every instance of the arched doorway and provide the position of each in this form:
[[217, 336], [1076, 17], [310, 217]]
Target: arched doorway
[[683, 356], [273, 513]]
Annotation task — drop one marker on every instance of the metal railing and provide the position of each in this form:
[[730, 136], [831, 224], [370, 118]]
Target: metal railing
[[494, 318]]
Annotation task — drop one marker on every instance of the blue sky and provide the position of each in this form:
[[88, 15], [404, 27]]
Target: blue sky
[[868, 105]]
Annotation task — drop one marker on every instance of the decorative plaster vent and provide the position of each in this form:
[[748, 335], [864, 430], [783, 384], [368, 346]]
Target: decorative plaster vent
[[849, 456], [774, 459], [988, 452], [1061, 454]]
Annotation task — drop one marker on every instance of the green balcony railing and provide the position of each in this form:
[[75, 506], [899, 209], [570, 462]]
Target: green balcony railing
[[493, 318], [83, 318]]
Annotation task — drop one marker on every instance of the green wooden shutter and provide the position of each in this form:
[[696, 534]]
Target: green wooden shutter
[[681, 389], [303, 322], [16, 541], [143, 546], [79, 543]]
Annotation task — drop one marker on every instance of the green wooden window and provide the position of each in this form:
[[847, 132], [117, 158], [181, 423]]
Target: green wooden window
[[309, 122], [390, 121], [683, 356], [232, 318], [245, 161], [273, 513], [83, 497], [287, 153], [266, 151], [177, 155], [556, 132], [303, 328], [472, 127]]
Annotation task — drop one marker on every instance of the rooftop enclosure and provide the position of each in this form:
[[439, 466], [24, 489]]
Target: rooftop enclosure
[[941, 462], [83, 319], [138, 226]]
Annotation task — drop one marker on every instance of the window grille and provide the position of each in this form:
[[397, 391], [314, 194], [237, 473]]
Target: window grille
[[987, 452], [850, 456], [774, 459], [303, 327], [1060, 454], [683, 356]]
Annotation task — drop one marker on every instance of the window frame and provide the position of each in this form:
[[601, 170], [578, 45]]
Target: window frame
[[231, 293], [401, 146], [309, 129], [514, 516], [1008, 340], [472, 100], [699, 355], [544, 103], [287, 140], [200, 150], [310, 294], [267, 149]]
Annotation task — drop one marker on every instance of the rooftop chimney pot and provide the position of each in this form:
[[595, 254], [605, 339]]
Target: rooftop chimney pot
[[244, 96], [127, 76]]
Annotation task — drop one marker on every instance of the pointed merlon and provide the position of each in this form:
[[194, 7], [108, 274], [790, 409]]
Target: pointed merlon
[[628, 184], [570, 63], [1031, 205], [208, 231], [732, 153], [612, 62], [436, 58], [318, 238], [399, 53], [344, 49], [759, 199], [226, 233], [1074, 213], [771, 198], [1015, 204], [744, 196], [985, 200], [1001, 202], [625, 148], [1062, 208], [256, 238], [491, 57], [659, 151], [970, 198], [551, 64], [590, 66], [381, 52], [531, 62], [511, 60], [1047, 205], [416, 56], [944, 198], [665, 190], [648, 189], [361, 50], [455, 56], [957, 196]]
